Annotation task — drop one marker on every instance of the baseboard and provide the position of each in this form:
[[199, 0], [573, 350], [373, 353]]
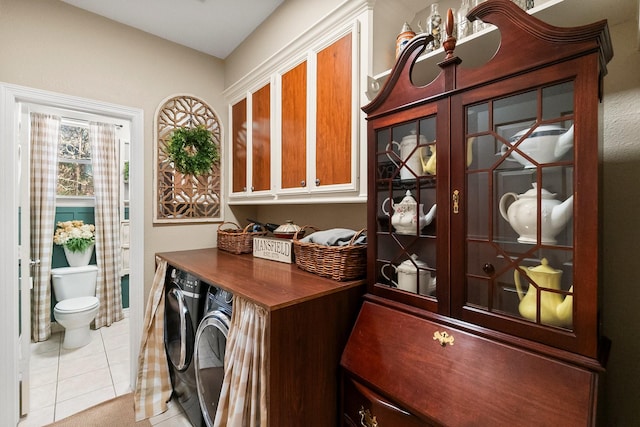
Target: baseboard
[[55, 328]]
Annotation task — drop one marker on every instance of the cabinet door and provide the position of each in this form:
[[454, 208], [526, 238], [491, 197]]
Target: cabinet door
[[518, 156], [406, 260], [294, 127], [239, 146], [334, 109], [261, 139]]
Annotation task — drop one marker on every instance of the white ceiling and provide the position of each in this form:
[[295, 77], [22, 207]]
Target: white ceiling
[[215, 27]]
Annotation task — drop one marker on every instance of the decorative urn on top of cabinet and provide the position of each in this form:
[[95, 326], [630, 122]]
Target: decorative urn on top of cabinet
[[514, 243]]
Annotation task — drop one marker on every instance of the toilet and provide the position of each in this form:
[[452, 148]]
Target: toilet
[[75, 290]]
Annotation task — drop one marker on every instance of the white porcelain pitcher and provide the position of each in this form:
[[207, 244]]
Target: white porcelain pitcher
[[413, 275], [413, 154], [522, 214]]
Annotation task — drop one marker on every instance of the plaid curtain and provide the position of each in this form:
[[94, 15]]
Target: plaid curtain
[[153, 384], [44, 171], [106, 181], [243, 399]]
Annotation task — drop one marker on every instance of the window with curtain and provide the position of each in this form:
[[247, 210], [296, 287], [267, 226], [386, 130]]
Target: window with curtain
[[75, 173]]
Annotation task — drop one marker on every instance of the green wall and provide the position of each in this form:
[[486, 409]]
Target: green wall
[[85, 214]]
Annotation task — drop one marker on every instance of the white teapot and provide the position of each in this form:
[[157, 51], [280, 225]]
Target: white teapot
[[522, 214], [546, 144], [413, 275], [408, 217], [413, 154]]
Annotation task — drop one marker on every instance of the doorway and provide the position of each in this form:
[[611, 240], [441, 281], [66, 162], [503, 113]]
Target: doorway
[[11, 99]]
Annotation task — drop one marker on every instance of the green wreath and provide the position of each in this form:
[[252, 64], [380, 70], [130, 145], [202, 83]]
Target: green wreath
[[192, 150]]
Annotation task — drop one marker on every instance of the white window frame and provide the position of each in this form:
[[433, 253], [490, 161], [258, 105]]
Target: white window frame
[[73, 201]]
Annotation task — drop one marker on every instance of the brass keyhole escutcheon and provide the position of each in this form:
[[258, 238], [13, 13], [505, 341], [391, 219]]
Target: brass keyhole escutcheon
[[443, 338], [455, 198]]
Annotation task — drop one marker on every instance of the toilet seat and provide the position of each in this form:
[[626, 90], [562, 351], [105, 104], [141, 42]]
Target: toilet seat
[[75, 305]]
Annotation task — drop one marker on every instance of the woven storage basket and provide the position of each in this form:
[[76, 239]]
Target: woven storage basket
[[237, 240], [340, 263]]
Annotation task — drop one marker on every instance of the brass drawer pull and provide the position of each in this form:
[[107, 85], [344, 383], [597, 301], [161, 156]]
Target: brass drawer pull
[[366, 419], [443, 338]]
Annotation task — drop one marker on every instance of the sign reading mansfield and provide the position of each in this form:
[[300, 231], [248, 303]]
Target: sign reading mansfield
[[273, 248]]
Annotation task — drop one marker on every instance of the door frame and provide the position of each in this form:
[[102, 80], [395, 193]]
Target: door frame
[[11, 96]]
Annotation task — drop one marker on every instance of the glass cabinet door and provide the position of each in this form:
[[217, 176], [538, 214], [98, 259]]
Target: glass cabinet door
[[519, 189], [405, 198]]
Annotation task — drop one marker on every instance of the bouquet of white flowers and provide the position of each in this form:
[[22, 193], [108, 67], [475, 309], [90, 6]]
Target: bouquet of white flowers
[[75, 235]]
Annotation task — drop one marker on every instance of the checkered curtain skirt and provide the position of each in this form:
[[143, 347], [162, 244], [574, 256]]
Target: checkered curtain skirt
[[243, 399], [43, 169], [153, 384], [106, 181]]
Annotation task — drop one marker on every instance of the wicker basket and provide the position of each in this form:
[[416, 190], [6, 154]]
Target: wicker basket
[[238, 240], [339, 263]]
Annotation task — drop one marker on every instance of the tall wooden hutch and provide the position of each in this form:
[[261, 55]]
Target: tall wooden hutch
[[489, 314]]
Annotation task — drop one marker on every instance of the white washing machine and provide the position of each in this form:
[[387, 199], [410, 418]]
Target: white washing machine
[[210, 345]]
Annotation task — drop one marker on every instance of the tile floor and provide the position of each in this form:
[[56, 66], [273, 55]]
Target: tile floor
[[65, 381]]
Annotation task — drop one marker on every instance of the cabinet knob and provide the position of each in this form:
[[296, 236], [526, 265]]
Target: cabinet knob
[[489, 269], [366, 419], [244, 188], [303, 183], [253, 188], [317, 182]]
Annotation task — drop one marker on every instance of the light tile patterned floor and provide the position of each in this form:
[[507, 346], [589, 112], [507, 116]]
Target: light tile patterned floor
[[64, 382]]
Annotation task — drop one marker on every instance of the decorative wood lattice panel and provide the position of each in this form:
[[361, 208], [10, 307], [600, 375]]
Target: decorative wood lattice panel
[[179, 197]]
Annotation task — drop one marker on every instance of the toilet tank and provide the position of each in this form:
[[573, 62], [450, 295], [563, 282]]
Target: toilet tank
[[73, 282]]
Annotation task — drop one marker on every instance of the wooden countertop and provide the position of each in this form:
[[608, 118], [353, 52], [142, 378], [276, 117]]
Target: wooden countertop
[[270, 284]]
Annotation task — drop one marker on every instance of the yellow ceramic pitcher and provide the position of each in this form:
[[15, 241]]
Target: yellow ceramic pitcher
[[554, 309]]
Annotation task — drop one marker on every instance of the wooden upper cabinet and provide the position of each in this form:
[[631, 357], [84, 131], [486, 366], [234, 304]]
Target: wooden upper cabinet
[[239, 145], [261, 139], [333, 113], [294, 127], [303, 138]]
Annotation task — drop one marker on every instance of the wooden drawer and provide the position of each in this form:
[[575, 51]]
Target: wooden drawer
[[474, 381], [362, 407]]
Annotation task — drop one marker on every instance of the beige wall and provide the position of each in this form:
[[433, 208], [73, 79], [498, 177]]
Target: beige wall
[[621, 234], [49, 45], [286, 23]]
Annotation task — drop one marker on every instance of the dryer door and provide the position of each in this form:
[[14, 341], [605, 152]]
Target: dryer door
[[179, 335], [211, 340]]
